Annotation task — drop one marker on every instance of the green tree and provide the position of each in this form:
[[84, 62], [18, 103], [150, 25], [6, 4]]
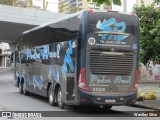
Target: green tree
[[149, 32], [6, 2], [157, 1], [108, 2]]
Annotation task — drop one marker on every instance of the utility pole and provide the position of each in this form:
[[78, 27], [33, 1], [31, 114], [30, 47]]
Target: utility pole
[[110, 7], [46, 6], [43, 4], [124, 5], [30, 3], [14, 2]]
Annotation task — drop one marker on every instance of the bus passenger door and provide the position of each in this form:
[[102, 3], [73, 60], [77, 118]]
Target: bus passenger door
[[70, 67], [70, 96]]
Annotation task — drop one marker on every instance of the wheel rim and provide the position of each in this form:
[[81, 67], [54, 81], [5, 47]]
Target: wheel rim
[[60, 97], [24, 88], [50, 96], [20, 87]]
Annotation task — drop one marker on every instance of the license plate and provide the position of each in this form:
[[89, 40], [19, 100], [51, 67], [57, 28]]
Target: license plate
[[110, 101]]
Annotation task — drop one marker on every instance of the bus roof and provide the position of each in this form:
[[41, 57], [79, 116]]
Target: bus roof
[[54, 21], [66, 17]]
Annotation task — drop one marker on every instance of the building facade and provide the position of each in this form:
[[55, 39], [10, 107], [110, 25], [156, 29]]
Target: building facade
[[72, 6], [4, 55]]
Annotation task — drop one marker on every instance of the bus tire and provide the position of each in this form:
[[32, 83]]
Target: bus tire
[[59, 99], [107, 107], [20, 88], [51, 96], [25, 92]]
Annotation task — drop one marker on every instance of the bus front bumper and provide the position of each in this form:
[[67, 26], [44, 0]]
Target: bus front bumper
[[89, 98]]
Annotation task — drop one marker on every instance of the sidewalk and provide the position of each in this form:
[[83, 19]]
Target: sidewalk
[[149, 86], [3, 69]]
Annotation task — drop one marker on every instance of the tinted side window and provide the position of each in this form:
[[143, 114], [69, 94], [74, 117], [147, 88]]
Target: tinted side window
[[131, 22], [66, 29]]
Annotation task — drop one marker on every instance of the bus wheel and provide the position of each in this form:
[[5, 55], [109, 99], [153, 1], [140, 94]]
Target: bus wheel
[[107, 107], [51, 96], [20, 88], [59, 99], [25, 92]]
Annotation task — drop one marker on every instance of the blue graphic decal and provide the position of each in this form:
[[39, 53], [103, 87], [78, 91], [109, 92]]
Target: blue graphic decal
[[38, 82], [17, 75], [53, 73], [39, 50], [134, 46], [44, 52], [68, 60], [94, 78], [108, 26], [119, 80], [35, 56]]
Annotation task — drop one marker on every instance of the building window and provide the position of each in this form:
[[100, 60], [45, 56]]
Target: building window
[[80, 4], [80, 9]]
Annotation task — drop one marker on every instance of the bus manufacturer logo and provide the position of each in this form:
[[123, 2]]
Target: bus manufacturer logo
[[111, 26], [91, 41]]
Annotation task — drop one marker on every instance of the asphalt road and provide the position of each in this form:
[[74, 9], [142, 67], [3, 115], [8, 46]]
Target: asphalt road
[[12, 100]]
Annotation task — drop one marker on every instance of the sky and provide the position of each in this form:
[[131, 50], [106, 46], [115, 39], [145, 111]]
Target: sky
[[53, 5], [130, 4]]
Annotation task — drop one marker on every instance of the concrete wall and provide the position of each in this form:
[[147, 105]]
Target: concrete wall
[[5, 52], [149, 72], [27, 15], [15, 20]]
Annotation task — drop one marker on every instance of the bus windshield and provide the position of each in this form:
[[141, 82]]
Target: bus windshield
[[113, 30]]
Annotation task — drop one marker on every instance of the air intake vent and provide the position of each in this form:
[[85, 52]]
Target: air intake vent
[[111, 64]]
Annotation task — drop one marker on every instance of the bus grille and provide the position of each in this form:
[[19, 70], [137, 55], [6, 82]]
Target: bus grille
[[111, 64]]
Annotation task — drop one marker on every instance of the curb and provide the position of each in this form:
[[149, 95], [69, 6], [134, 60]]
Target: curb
[[146, 107], [4, 70], [148, 81]]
